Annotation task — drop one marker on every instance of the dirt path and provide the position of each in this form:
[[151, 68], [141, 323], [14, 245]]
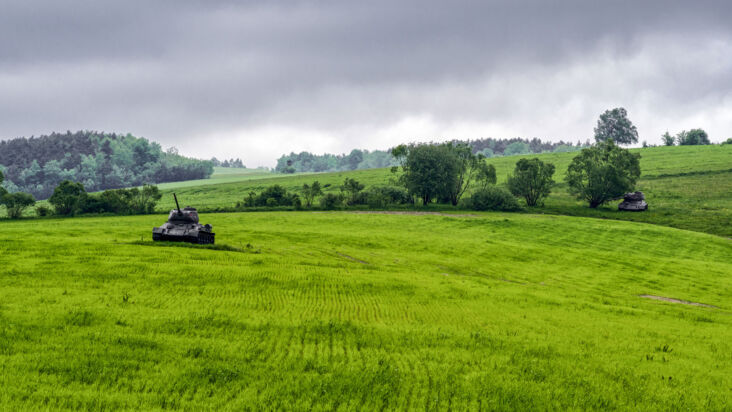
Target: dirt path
[[672, 300]]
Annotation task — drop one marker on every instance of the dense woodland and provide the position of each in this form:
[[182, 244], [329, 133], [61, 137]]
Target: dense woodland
[[364, 159], [97, 160]]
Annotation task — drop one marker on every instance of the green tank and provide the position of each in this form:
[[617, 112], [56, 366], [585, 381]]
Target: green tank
[[183, 226]]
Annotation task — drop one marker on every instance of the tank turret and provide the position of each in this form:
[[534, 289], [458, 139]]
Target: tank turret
[[183, 226]]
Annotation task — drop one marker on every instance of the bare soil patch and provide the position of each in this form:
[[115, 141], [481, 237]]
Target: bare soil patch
[[672, 300], [397, 212], [352, 258]]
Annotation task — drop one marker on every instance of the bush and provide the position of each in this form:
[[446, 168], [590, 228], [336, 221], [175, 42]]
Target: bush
[[43, 211], [16, 203], [493, 198], [353, 188], [728, 141], [532, 180], [383, 196], [331, 201], [272, 196]]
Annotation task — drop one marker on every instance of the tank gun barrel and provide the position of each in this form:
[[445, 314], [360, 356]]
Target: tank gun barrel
[[177, 206]]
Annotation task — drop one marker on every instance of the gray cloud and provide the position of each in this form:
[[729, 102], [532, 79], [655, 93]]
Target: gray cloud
[[255, 79]]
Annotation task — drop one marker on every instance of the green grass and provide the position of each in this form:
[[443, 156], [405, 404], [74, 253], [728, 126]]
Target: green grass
[[342, 311], [688, 187]]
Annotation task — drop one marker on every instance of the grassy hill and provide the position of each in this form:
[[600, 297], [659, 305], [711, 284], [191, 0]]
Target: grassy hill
[[343, 310], [688, 187]]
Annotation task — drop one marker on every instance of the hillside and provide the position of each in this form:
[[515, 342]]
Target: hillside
[[98, 160], [341, 310], [687, 187]]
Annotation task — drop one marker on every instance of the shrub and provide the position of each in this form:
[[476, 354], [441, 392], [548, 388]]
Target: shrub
[[353, 189], [493, 198], [331, 201], [532, 180], [383, 196], [728, 141], [43, 211], [272, 196]]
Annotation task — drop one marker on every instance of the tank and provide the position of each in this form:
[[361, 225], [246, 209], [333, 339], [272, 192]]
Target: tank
[[183, 226], [633, 202]]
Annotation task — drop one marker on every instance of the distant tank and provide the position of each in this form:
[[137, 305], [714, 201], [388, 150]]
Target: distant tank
[[183, 226], [633, 202]]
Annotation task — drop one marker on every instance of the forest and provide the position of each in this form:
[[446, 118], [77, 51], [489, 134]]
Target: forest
[[364, 159], [98, 160]]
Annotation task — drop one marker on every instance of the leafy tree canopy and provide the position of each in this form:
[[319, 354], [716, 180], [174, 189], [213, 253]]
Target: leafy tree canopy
[[16, 203], [532, 180], [692, 137], [68, 197], [603, 172], [614, 124]]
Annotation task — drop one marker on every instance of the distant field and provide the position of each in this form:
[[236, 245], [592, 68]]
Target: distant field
[[221, 175], [687, 187], [340, 310]]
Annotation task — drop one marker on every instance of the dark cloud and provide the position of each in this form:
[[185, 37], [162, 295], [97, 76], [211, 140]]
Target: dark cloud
[[260, 78]]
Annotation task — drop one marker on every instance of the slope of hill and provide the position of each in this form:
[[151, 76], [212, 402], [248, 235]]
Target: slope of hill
[[98, 160], [339, 310], [688, 187]]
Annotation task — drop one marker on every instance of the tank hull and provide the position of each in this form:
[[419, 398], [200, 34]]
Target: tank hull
[[191, 233], [200, 238]]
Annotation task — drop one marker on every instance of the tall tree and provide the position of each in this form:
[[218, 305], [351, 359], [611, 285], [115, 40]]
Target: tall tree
[[614, 124]]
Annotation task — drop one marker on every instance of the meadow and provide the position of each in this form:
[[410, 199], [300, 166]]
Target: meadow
[[687, 187], [348, 310]]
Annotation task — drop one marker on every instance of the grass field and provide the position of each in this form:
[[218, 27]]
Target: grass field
[[688, 187], [340, 311]]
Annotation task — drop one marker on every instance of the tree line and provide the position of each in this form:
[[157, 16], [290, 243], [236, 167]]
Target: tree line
[[364, 159], [99, 161]]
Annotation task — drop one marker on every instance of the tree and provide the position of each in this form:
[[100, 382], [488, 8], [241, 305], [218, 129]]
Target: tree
[[668, 140], [16, 203], [353, 188], [602, 173], [143, 200], [516, 148], [486, 175], [310, 192], [692, 137], [68, 197], [2, 189], [468, 165], [353, 159], [532, 180], [432, 171], [614, 124]]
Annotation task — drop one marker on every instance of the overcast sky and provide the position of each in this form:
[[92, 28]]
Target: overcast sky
[[257, 79]]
